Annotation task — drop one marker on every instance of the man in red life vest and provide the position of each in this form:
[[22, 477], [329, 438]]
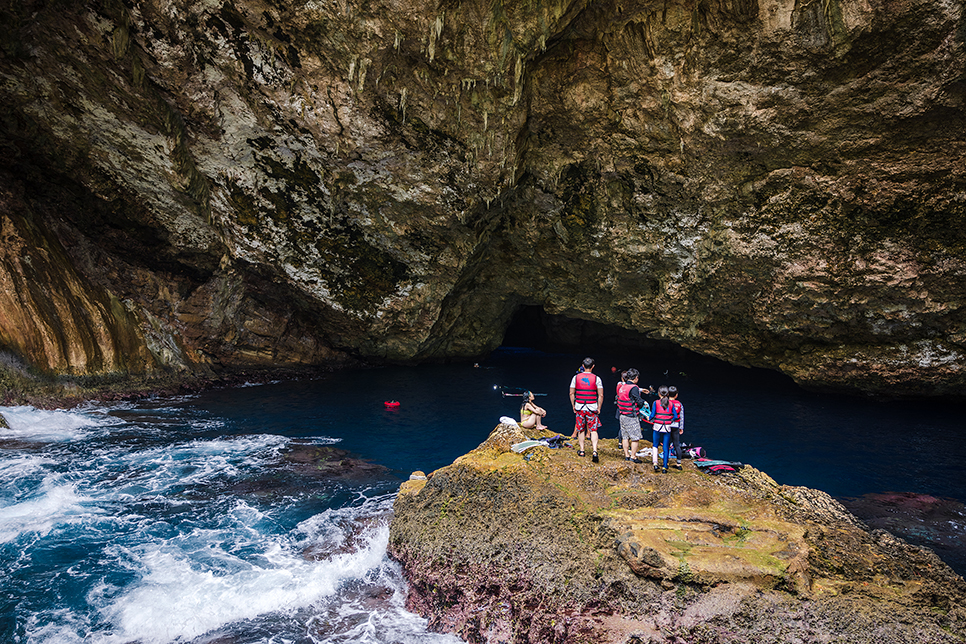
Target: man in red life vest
[[587, 397]]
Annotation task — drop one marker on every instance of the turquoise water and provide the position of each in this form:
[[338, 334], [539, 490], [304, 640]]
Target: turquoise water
[[179, 520]]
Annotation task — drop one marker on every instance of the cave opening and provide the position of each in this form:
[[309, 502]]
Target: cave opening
[[532, 327], [527, 329]]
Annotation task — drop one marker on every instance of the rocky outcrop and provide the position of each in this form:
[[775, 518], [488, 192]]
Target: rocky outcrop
[[547, 547], [194, 186]]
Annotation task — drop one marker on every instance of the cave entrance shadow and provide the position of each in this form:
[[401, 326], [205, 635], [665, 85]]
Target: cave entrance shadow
[[534, 328]]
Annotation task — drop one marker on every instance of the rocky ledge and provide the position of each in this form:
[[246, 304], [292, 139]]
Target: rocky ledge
[[546, 546]]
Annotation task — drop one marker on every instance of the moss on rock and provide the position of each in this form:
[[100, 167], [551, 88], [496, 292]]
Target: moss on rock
[[545, 546]]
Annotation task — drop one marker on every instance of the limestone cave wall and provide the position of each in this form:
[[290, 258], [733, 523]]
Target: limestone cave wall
[[204, 185]]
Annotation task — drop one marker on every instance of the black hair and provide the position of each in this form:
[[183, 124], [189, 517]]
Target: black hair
[[526, 399], [631, 373], [588, 363], [662, 391], [672, 390]]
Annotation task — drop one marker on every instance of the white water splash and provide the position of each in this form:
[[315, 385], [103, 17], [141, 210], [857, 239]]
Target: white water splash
[[30, 424], [167, 550], [12, 469], [57, 504], [194, 585]]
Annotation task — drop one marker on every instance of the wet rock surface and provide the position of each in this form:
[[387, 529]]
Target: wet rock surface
[[552, 548], [307, 465], [325, 461], [192, 187], [935, 522]]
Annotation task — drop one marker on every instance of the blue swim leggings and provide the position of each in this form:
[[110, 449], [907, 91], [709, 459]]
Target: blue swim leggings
[[665, 437]]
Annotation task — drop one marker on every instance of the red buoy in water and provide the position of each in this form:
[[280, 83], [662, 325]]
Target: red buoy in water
[[391, 403]]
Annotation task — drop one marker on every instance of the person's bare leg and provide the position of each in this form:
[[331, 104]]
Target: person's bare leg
[[539, 418]]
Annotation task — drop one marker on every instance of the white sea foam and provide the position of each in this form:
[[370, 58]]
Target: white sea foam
[[175, 556], [30, 424], [212, 581], [359, 621], [185, 592], [154, 471], [58, 503], [249, 383], [61, 626], [318, 440], [18, 467]]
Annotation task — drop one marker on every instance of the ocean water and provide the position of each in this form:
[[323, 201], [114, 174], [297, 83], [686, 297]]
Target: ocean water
[[194, 519]]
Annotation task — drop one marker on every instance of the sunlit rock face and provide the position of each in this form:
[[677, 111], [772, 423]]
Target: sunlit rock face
[[229, 183]]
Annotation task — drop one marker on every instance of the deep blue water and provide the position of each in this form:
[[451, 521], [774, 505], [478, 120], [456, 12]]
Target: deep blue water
[[178, 520]]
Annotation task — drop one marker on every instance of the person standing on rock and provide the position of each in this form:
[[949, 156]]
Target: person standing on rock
[[677, 425], [662, 415], [586, 398], [629, 402]]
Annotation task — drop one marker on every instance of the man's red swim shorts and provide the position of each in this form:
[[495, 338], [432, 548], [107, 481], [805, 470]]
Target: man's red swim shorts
[[587, 421]]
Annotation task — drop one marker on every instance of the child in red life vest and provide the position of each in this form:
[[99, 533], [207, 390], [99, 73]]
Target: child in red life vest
[[661, 417], [677, 425]]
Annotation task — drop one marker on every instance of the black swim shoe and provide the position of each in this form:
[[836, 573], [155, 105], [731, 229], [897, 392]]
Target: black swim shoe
[[635, 460], [664, 471], [656, 469], [595, 458], [677, 466]]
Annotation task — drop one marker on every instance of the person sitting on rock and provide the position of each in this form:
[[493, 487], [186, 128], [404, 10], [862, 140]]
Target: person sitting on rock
[[531, 416]]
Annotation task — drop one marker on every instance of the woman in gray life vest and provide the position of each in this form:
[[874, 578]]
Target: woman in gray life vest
[[629, 404]]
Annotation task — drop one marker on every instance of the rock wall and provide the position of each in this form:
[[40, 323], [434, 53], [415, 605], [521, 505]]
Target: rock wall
[[547, 547], [253, 182]]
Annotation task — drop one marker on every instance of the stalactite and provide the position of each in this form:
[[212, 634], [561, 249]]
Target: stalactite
[[363, 68], [352, 67], [435, 31]]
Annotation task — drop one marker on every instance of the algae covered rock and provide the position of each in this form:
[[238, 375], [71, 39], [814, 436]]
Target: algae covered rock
[[547, 547]]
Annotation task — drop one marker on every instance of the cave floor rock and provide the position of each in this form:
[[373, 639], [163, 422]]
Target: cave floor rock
[[546, 546]]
